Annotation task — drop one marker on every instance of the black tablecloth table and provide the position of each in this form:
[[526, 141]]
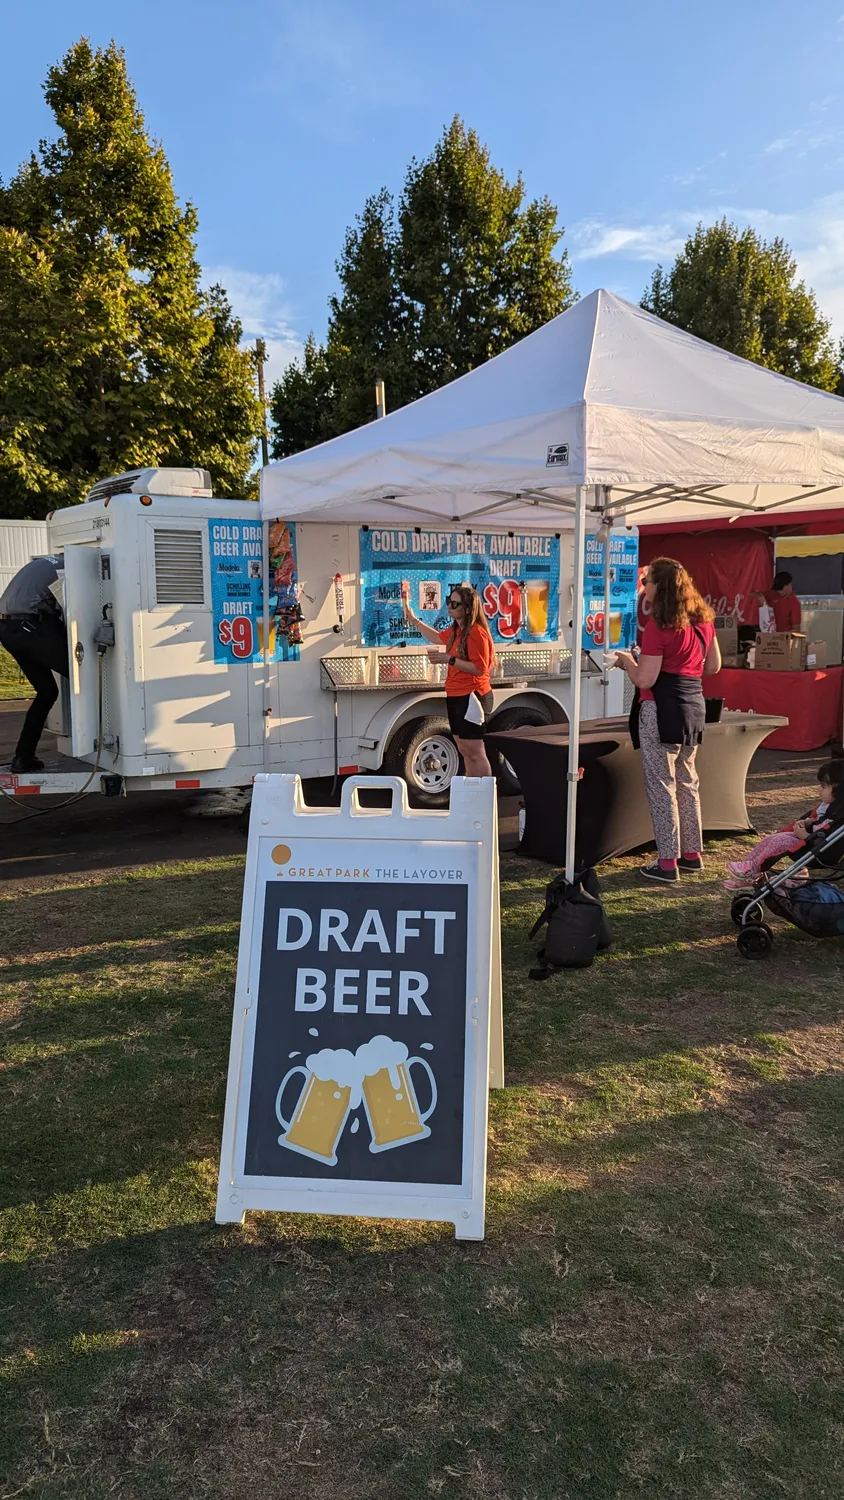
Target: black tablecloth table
[[612, 809]]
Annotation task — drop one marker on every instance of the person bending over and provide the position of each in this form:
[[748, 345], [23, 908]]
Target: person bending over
[[34, 633], [469, 651]]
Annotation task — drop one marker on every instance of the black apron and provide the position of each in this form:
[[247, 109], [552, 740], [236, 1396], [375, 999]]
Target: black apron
[[680, 707]]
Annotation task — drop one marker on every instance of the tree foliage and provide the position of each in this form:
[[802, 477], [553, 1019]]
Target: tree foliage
[[111, 354], [430, 288], [738, 291]]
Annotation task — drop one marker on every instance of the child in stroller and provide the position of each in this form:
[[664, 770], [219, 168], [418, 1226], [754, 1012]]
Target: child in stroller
[[815, 904], [744, 873]]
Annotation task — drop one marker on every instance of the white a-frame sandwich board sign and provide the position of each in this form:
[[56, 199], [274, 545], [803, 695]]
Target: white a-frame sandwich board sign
[[368, 986]]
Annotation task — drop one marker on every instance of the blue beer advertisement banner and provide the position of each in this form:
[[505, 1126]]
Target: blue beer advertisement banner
[[517, 575], [624, 576], [237, 603]]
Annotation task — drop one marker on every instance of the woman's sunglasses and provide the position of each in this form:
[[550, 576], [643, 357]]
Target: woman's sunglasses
[[454, 603]]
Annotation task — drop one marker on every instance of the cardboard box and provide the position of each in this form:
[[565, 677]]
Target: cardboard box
[[726, 634], [738, 660], [785, 651], [816, 656]]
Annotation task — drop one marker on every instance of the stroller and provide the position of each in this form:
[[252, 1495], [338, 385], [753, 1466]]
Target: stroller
[[816, 906]]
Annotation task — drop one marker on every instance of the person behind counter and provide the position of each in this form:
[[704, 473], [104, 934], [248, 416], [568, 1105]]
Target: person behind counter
[[783, 601], [34, 634], [668, 714], [469, 652]]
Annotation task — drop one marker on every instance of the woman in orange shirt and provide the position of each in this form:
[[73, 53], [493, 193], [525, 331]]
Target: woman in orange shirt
[[469, 652]]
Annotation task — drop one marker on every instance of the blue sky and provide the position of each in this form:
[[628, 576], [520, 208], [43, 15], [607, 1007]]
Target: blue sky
[[280, 118]]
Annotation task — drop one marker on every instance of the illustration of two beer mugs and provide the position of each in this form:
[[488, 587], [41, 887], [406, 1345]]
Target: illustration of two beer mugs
[[337, 1081]]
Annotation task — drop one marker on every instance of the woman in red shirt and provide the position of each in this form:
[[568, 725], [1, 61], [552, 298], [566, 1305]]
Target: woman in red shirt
[[678, 648], [469, 652]]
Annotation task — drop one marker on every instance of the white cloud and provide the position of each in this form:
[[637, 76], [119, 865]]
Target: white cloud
[[815, 235], [650, 242], [260, 304]]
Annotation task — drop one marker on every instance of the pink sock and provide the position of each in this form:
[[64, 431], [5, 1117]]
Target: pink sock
[[668, 864], [696, 854]]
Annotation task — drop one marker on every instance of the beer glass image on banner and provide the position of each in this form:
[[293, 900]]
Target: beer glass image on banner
[[392, 1107], [337, 1082], [331, 1091], [360, 1030]]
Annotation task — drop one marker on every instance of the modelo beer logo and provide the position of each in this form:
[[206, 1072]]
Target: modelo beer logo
[[360, 1033]]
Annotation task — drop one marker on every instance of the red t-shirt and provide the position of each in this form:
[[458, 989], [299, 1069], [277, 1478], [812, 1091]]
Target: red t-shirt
[[787, 611], [681, 651], [481, 653]]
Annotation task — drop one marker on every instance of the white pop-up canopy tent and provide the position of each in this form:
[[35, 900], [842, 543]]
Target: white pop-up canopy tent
[[605, 413]]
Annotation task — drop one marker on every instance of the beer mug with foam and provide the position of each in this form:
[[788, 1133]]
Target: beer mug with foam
[[389, 1097], [538, 595], [331, 1089]]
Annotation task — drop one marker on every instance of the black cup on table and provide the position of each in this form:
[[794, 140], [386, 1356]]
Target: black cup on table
[[714, 709]]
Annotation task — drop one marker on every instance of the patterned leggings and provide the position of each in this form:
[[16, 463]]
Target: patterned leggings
[[672, 787]]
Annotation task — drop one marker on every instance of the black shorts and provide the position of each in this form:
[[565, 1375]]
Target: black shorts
[[467, 715]]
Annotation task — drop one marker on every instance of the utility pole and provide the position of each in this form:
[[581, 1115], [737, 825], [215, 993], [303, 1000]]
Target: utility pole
[[260, 356], [380, 399]]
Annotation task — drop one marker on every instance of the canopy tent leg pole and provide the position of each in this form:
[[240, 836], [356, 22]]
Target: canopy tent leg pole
[[265, 654], [575, 685], [607, 524]]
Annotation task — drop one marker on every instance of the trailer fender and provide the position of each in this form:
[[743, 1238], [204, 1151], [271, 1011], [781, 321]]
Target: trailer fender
[[405, 707], [392, 716], [530, 698]]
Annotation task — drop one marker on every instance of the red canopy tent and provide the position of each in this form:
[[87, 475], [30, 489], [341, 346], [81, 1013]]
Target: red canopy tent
[[729, 561]]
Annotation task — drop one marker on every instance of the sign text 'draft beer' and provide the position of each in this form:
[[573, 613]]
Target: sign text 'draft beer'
[[360, 1046]]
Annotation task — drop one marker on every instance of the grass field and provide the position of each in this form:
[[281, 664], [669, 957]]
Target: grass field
[[656, 1310], [13, 684]]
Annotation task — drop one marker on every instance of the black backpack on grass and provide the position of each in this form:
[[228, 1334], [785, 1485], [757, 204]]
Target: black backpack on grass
[[578, 926]]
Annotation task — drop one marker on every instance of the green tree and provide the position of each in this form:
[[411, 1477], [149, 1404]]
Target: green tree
[[111, 354], [369, 331], [738, 291], [429, 290], [477, 267]]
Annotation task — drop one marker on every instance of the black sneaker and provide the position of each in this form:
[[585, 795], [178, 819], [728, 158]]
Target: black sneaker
[[656, 872], [33, 764], [692, 866]]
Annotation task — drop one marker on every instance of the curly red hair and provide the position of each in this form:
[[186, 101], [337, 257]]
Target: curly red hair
[[677, 602]]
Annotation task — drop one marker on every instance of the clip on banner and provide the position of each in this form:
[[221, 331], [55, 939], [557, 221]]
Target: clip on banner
[[367, 1017]]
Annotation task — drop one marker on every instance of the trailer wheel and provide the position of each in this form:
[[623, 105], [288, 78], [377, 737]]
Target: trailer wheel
[[425, 756], [515, 718]]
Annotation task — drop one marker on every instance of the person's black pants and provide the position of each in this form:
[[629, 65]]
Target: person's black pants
[[38, 644]]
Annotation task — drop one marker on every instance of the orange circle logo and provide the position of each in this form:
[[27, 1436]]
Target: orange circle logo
[[280, 854]]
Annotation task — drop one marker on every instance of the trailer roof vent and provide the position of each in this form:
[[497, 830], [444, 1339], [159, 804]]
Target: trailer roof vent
[[195, 482], [179, 574]]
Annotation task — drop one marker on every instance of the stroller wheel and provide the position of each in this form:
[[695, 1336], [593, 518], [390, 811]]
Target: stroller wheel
[[755, 941], [739, 907]]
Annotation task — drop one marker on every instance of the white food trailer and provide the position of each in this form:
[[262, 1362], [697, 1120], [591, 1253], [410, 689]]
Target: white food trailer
[[171, 686]]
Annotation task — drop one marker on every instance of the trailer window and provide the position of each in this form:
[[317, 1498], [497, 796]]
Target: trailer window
[[179, 573]]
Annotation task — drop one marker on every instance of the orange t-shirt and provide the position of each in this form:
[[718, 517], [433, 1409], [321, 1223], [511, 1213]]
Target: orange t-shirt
[[481, 653]]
